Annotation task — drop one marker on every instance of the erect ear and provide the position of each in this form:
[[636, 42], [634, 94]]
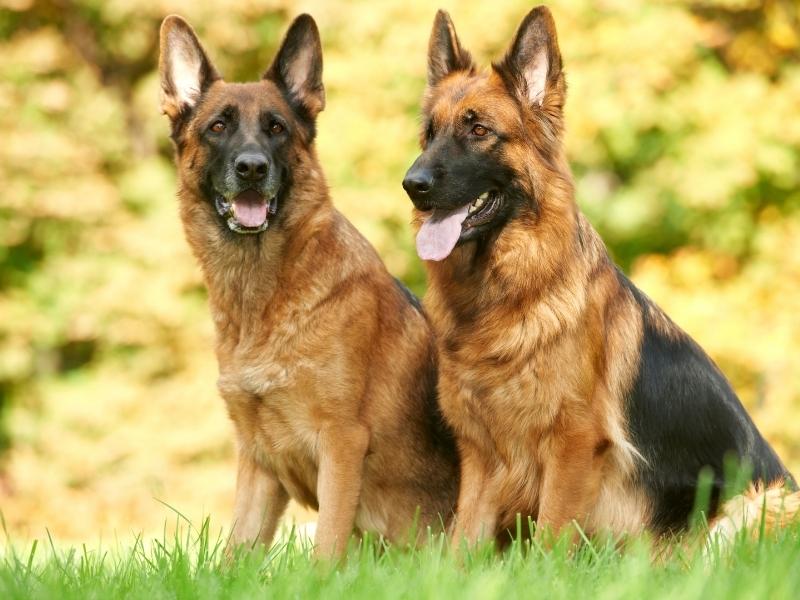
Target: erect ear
[[297, 67], [532, 66], [445, 53], [186, 73]]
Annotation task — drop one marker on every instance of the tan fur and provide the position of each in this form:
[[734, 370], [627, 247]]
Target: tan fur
[[325, 367]]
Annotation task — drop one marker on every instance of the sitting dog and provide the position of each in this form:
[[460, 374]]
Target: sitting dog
[[326, 364], [573, 397]]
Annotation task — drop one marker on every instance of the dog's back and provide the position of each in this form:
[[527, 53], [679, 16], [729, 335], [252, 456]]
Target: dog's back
[[684, 416]]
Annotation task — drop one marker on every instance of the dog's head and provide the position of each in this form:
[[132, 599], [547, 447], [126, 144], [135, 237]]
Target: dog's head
[[487, 137], [238, 145]]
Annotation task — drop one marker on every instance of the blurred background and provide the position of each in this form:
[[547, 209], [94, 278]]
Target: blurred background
[[684, 135]]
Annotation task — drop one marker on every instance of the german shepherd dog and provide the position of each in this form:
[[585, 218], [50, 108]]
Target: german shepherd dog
[[326, 363], [572, 396]]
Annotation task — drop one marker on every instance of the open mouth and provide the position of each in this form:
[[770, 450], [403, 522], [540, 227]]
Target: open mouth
[[442, 229], [482, 209], [248, 211]]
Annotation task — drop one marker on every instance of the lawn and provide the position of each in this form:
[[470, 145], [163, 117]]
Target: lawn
[[190, 562]]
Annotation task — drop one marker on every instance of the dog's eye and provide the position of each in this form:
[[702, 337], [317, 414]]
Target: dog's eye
[[275, 128], [479, 130], [217, 127]]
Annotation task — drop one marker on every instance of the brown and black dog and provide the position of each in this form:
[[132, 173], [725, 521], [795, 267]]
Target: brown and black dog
[[326, 363], [572, 396]]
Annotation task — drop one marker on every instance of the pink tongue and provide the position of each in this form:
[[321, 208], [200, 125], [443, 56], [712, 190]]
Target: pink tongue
[[439, 234], [250, 208]]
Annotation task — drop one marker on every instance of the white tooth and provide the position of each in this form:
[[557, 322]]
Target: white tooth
[[483, 196]]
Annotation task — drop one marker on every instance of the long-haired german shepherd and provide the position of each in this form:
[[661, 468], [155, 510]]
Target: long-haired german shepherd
[[326, 364], [573, 397]]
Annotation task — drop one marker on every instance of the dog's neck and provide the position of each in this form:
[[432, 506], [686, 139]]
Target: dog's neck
[[243, 273], [519, 260], [538, 262]]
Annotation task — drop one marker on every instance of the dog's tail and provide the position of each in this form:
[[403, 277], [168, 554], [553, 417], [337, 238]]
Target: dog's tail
[[761, 510]]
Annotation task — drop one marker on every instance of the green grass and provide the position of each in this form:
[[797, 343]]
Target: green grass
[[191, 563]]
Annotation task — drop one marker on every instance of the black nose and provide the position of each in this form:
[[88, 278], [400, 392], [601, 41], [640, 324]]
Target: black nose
[[251, 166], [418, 182]]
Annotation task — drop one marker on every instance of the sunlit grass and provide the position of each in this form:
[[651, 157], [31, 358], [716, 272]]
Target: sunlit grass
[[190, 562]]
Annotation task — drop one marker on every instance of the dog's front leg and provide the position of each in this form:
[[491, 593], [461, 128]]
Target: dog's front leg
[[260, 502], [342, 449], [570, 485], [476, 514]]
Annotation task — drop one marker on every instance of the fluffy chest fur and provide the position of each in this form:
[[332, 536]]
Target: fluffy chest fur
[[502, 393], [281, 358], [276, 422]]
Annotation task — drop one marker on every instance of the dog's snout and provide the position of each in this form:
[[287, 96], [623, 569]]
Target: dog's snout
[[417, 183], [251, 166]]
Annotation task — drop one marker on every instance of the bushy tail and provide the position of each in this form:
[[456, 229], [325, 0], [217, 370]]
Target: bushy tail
[[759, 511]]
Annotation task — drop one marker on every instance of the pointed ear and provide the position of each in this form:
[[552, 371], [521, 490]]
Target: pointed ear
[[184, 67], [445, 53], [297, 67], [532, 66]]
